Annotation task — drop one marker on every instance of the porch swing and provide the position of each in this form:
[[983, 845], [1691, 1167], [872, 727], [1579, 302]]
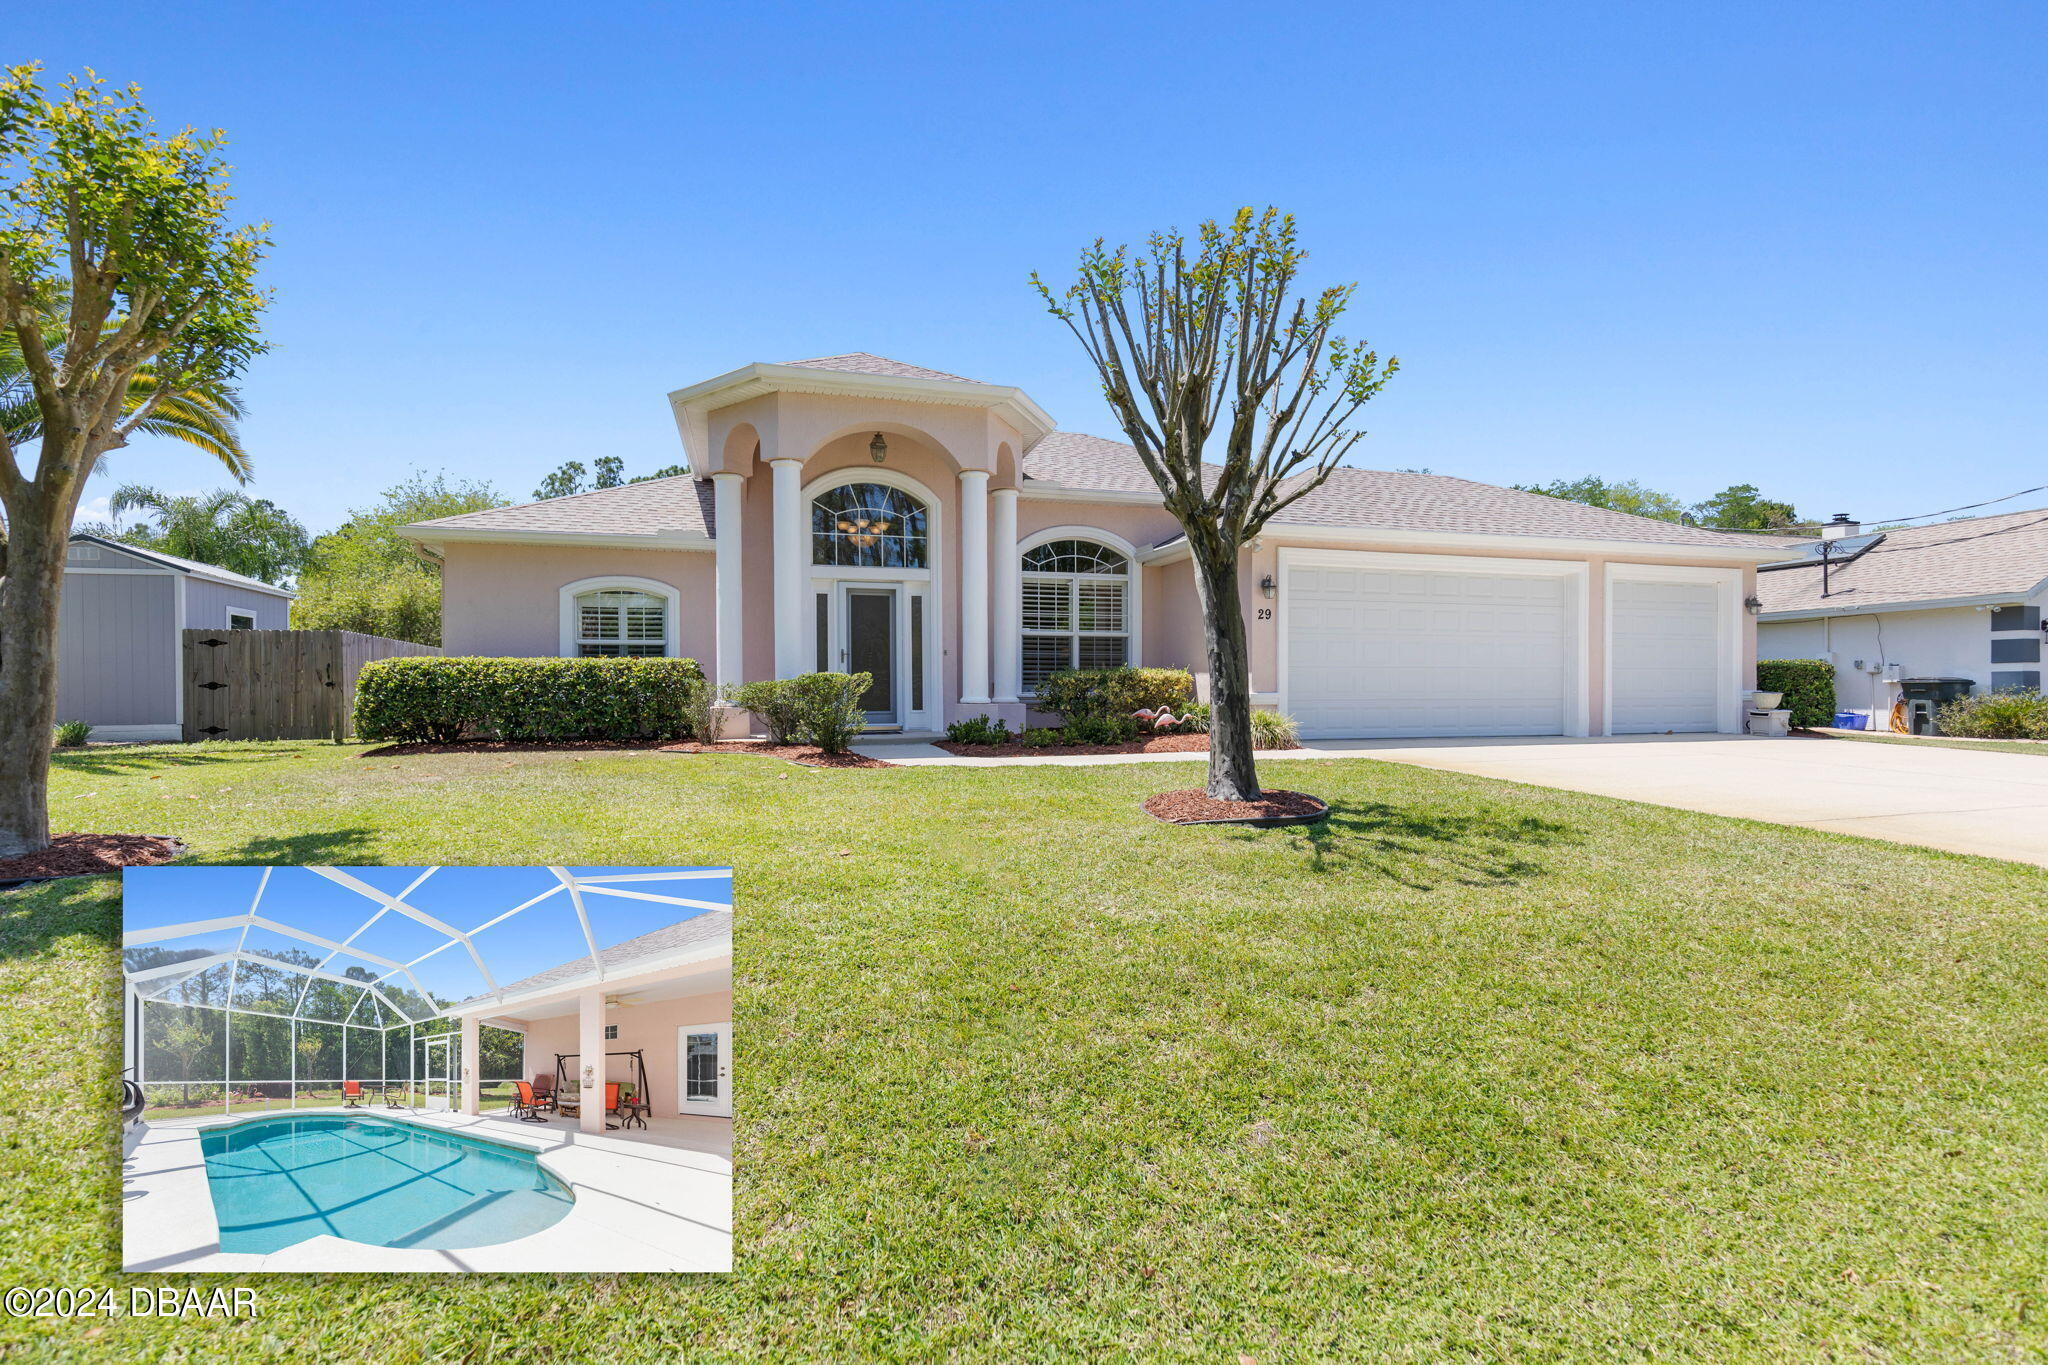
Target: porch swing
[[613, 1104]]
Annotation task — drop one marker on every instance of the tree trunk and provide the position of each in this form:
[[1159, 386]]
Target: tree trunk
[[36, 536], [1232, 774]]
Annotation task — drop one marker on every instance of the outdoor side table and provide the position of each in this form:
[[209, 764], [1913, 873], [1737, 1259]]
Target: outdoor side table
[[633, 1114]]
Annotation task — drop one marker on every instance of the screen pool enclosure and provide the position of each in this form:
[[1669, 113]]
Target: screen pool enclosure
[[257, 988]]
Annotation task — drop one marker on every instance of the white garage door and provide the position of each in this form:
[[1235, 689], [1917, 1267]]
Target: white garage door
[[1374, 652], [1665, 656]]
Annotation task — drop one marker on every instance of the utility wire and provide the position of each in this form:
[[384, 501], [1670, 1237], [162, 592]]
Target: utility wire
[[1882, 521]]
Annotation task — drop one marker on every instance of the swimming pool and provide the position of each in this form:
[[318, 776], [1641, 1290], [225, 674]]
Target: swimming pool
[[280, 1181]]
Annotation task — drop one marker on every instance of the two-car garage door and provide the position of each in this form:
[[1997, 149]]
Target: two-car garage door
[[1386, 645], [1374, 650]]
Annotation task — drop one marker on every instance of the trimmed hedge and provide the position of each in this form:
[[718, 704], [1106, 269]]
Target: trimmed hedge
[[1114, 692], [430, 700], [1808, 685]]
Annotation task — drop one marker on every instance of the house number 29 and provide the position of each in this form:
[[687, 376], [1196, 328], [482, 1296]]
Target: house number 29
[[1265, 613]]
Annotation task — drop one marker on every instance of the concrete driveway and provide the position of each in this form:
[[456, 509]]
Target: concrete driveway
[[1991, 803]]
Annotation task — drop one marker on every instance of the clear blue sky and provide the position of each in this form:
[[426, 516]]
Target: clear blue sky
[[1800, 246]]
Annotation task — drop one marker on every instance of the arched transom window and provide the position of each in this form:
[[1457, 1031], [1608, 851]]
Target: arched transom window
[[619, 621], [1076, 609], [868, 526]]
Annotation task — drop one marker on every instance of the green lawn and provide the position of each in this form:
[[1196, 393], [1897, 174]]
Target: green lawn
[[2003, 746], [1482, 1072]]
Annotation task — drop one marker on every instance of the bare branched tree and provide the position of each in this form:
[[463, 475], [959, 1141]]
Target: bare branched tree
[[1192, 337]]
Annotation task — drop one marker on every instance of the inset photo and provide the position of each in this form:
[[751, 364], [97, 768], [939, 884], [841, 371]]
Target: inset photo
[[427, 1069]]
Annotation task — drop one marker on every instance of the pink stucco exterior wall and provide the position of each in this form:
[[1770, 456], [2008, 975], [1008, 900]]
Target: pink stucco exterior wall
[[650, 1027], [505, 599]]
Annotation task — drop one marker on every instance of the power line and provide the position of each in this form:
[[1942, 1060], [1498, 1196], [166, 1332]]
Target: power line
[[1881, 521]]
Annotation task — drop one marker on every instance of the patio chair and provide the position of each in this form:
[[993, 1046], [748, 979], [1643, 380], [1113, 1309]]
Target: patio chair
[[526, 1107], [544, 1089], [352, 1094]]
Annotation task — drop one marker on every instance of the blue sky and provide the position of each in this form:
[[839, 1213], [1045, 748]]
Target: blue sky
[[545, 935], [1798, 246]]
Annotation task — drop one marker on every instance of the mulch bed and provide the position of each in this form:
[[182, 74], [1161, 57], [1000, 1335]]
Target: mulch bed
[[809, 755], [1193, 806], [1155, 744], [89, 855]]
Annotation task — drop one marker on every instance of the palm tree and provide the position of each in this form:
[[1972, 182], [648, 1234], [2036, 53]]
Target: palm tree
[[207, 416], [224, 527]]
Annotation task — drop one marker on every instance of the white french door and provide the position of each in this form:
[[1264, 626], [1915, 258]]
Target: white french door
[[704, 1070]]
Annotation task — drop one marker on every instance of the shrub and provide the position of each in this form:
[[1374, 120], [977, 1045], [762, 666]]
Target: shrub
[[979, 730], [827, 708], [1115, 691], [2009, 713], [1808, 685], [1271, 730], [702, 701], [444, 700], [774, 704], [1040, 736], [1194, 720], [1100, 730], [72, 734]]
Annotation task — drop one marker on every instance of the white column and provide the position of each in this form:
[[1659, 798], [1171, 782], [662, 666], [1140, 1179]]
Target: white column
[[1008, 593], [590, 1060], [973, 585], [790, 562], [728, 493], [472, 1065]]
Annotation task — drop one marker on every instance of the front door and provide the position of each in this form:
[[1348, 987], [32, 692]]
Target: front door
[[704, 1066], [871, 648]]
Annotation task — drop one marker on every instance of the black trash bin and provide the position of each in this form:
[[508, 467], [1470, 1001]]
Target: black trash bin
[[1934, 692]]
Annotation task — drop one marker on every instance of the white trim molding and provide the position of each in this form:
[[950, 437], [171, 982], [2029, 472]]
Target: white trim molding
[[928, 583], [566, 609], [1395, 541], [1728, 679], [1577, 718]]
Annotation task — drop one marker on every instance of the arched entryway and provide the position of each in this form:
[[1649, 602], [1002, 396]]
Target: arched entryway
[[874, 556]]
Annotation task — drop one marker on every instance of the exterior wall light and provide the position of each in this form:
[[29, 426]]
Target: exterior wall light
[[1268, 588], [878, 449], [1755, 605]]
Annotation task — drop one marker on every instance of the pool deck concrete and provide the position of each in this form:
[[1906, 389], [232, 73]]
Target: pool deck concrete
[[652, 1201]]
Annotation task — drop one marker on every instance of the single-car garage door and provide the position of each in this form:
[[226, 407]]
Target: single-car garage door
[[1665, 655], [1377, 651]]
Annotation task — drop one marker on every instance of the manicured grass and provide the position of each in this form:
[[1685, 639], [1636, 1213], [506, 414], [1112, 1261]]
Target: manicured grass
[[1480, 1072], [2003, 746]]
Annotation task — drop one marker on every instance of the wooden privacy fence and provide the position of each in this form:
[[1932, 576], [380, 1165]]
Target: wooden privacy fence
[[278, 684]]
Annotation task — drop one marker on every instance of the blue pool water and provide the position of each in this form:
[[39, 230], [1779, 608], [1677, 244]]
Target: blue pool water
[[279, 1181]]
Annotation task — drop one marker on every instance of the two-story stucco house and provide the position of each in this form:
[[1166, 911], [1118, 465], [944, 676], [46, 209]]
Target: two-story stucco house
[[857, 513]]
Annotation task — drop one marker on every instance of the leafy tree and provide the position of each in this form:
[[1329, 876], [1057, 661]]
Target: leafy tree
[[246, 535], [1740, 507], [609, 471], [1185, 335], [117, 238], [366, 577], [1624, 496]]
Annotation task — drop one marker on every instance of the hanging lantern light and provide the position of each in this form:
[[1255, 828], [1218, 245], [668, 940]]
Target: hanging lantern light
[[878, 449]]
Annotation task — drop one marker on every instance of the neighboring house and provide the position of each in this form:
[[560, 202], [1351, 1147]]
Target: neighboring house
[[666, 995], [1958, 599], [856, 513], [120, 664]]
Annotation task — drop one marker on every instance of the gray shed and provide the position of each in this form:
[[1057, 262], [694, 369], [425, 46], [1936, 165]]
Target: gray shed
[[120, 633]]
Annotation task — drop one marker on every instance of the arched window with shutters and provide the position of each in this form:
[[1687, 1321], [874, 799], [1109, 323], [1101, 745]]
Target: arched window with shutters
[[618, 618], [1077, 609]]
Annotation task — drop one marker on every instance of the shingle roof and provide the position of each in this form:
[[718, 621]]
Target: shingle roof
[[680, 502], [2005, 555], [619, 958], [1399, 500], [1067, 459], [860, 362], [213, 571]]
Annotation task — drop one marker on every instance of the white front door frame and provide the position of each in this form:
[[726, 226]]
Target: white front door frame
[[927, 583], [720, 1105], [1579, 700], [1727, 636]]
